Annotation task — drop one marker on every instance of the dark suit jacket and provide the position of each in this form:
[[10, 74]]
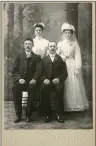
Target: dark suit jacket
[[20, 67], [60, 69]]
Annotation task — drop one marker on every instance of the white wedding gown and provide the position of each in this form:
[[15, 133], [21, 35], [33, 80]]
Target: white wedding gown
[[75, 98]]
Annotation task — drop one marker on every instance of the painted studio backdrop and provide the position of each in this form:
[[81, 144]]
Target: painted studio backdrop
[[19, 19]]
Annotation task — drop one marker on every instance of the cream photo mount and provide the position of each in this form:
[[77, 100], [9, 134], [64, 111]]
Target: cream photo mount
[[46, 137]]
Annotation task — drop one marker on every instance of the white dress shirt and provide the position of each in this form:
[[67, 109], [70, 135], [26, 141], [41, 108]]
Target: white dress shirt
[[28, 54], [52, 56]]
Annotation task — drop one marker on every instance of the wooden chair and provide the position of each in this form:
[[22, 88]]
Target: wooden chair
[[24, 100]]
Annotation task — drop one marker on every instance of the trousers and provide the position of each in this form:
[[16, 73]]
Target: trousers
[[17, 89], [45, 98]]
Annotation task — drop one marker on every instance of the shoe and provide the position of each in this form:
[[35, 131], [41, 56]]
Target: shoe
[[17, 120], [59, 118], [28, 119], [47, 119]]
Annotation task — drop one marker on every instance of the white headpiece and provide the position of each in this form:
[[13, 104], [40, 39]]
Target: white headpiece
[[41, 23], [67, 26]]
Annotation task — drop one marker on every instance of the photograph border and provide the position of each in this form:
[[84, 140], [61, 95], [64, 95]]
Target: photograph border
[[50, 137], [1, 75]]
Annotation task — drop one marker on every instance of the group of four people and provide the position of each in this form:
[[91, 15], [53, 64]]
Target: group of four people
[[47, 65]]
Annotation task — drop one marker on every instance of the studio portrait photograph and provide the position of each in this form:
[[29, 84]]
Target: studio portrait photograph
[[48, 69]]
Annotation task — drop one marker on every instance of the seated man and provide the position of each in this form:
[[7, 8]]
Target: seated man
[[26, 76], [54, 75]]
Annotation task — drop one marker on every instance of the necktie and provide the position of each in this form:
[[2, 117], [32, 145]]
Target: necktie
[[52, 58], [28, 55]]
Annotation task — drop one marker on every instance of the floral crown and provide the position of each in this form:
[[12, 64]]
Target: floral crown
[[67, 26]]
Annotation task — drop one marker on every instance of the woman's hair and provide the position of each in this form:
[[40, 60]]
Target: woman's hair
[[69, 30], [39, 25], [29, 39]]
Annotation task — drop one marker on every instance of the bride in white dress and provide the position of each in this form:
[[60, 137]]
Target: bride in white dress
[[40, 44], [75, 98]]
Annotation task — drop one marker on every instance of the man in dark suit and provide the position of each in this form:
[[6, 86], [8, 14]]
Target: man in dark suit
[[54, 75], [26, 76]]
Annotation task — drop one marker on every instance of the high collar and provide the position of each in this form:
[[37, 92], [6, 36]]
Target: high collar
[[50, 58], [25, 55], [52, 55], [67, 41], [38, 38], [28, 52]]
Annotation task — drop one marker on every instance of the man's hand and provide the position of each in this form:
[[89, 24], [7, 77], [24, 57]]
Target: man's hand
[[55, 81], [32, 81], [22, 81], [46, 81]]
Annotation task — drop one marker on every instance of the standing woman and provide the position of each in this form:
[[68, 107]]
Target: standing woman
[[40, 44], [40, 48], [75, 98]]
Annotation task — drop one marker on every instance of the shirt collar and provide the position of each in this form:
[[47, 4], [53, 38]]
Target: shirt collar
[[38, 38], [52, 55], [28, 53]]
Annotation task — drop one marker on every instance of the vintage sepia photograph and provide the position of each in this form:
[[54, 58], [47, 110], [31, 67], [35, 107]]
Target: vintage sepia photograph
[[47, 65]]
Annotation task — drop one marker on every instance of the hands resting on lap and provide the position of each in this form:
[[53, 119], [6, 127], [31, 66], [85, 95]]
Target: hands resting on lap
[[46, 81], [22, 81], [54, 81], [32, 81]]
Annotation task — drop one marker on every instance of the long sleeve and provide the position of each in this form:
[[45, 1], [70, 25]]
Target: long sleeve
[[15, 71], [64, 73], [46, 48], [45, 70], [77, 56], [59, 48], [38, 73], [59, 51], [46, 51]]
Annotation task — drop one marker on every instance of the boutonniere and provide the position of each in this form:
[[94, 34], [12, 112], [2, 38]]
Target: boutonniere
[[29, 55], [56, 58]]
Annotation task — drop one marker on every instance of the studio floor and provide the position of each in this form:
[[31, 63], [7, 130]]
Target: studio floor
[[71, 121]]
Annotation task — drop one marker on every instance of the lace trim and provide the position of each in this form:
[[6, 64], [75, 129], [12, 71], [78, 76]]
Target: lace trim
[[75, 109]]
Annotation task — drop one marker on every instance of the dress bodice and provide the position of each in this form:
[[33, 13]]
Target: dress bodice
[[40, 46], [70, 49], [66, 48]]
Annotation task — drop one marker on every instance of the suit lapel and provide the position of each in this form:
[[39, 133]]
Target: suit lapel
[[24, 56], [49, 59], [56, 58], [48, 66], [26, 59], [32, 59]]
